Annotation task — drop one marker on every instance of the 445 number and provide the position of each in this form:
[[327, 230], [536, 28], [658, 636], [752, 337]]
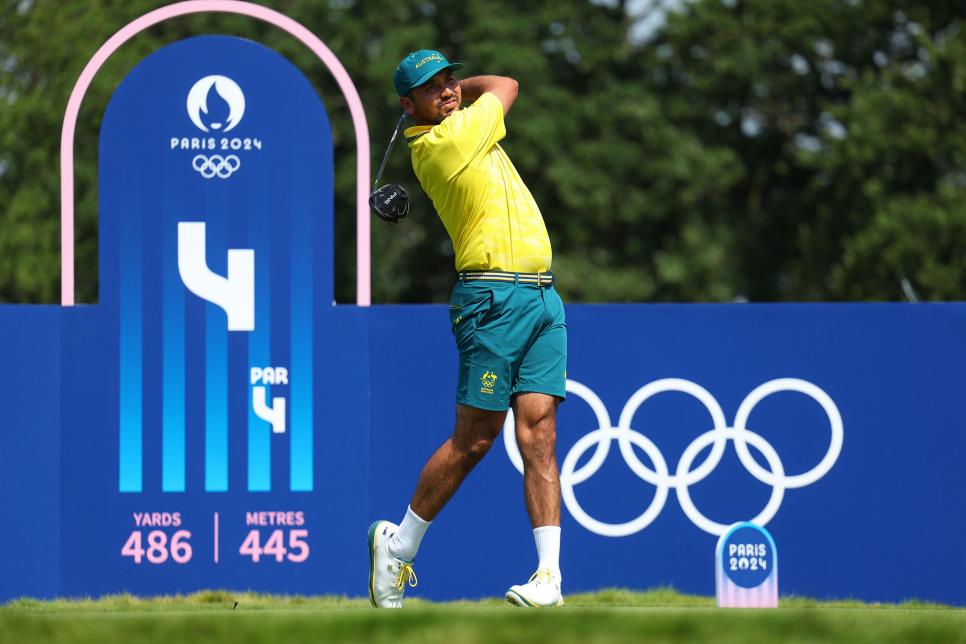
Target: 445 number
[[296, 551]]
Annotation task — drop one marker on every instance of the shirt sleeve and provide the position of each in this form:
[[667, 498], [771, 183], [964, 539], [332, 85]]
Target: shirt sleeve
[[475, 129]]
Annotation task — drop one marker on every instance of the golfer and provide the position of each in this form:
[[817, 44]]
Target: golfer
[[506, 316]]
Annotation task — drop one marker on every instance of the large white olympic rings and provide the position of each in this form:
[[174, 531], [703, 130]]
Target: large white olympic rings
[[683, 476], [216, 165]]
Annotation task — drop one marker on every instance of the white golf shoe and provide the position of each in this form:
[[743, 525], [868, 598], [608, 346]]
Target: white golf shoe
[[388, 575], [542, 591]]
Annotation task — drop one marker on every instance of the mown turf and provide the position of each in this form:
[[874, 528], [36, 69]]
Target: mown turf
[[606, 616]]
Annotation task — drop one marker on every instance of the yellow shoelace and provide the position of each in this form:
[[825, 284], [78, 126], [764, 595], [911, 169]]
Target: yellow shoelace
[[543, 575], [406, 574]]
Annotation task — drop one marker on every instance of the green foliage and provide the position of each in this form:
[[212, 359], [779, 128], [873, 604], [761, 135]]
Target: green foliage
[[745, 149]]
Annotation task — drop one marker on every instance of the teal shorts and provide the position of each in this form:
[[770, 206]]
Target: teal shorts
[[511, 338]]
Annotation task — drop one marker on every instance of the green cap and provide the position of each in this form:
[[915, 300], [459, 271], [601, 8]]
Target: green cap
[[418, 67]]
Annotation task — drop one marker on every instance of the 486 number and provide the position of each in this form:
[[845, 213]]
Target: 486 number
[[158, 547]]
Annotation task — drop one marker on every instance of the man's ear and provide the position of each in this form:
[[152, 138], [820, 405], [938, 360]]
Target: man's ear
[[407, 105]]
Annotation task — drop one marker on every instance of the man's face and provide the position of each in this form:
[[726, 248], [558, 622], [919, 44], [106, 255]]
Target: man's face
[[434, 100]]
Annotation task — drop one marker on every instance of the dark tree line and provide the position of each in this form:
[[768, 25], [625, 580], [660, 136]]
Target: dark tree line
[[761, 150]]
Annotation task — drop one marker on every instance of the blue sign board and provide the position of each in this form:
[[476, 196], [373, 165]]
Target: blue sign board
[[200, 456]]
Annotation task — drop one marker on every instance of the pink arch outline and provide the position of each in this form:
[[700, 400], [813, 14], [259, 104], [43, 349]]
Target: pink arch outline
[[215, 6]]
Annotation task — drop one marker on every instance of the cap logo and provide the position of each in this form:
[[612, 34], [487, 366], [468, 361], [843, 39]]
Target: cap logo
[[427, 59]]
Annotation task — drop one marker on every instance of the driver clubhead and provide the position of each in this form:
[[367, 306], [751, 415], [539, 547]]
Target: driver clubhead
[[391, 202]]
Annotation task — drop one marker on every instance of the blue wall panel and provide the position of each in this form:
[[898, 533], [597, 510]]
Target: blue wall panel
[[882, 523], [894, 372], [30, 474]]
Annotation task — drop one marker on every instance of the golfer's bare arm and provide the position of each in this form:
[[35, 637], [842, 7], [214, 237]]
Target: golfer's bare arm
[[502, 87]]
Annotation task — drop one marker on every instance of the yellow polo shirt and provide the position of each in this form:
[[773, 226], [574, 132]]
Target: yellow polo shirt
[[489, 213]]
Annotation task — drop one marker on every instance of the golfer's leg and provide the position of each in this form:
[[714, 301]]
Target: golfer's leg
[[536, 436], [441, 477], [475, 431], [536, 428]]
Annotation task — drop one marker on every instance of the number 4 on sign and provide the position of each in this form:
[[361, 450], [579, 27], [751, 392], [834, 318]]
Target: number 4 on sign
[[132, 547], [251, 546], [274, 415], [274, 546]]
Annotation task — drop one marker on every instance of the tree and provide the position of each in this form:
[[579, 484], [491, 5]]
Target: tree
[[840, 116]]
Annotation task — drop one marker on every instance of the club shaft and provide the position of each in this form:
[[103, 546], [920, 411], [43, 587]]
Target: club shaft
[[385, 157]]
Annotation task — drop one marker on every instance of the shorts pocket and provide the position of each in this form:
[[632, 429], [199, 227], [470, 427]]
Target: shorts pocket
[[467, 306]]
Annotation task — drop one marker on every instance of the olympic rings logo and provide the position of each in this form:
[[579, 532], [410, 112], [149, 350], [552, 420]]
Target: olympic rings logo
[[684, 475], [216, 165]]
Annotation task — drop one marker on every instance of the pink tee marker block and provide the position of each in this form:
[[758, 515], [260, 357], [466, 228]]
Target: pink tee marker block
[[746, 568]]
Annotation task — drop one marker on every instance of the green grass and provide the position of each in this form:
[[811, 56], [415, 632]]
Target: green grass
[[661, 615]]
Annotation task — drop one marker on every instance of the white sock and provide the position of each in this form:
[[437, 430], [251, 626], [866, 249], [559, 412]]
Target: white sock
[[405, 542], [548, 548]]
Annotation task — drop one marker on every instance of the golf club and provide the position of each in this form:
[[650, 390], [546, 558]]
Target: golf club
[[391, 202]]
